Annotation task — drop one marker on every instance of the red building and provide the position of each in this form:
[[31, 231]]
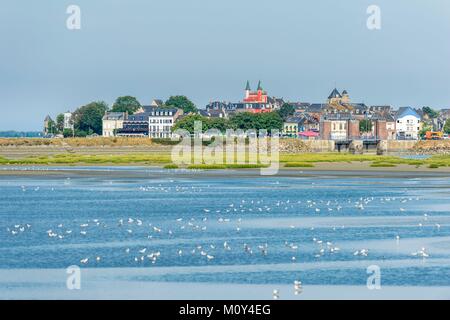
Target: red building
[[258, 96], [256, 101]]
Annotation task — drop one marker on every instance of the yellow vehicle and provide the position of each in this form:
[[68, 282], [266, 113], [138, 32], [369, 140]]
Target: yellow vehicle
[[434, 135]]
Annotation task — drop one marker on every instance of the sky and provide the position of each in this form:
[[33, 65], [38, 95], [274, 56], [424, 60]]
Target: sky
[[208, 49]]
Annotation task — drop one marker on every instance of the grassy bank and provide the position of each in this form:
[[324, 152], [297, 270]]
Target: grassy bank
[[84, 142], [307, 160]]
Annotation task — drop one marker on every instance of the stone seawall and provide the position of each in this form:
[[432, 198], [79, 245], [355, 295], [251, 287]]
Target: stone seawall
[[299, 146], [400, 145]]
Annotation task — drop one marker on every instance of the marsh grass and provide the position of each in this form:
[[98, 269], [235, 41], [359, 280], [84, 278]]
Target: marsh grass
[[171, 166], [288, 160], [226, 166], [299, 165], [382, 165]]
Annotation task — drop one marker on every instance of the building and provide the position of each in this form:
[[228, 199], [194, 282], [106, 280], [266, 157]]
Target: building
[[49, 125], [136, 125], [339, 126], [214, 113], [112, 122], [257, 101], [337, 98], [68, 120], [300, 123], [383, 126], [291, 126], [408, 124], [161, 121], [258, 96]]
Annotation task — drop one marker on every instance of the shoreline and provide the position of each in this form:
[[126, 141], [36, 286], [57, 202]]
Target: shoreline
[[356, 169], [99, 284]]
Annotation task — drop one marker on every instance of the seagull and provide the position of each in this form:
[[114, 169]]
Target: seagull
[[276, 294], [421, 253]]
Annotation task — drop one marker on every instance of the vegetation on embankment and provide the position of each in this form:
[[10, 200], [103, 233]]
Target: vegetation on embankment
[[84, 142], [73, 159]]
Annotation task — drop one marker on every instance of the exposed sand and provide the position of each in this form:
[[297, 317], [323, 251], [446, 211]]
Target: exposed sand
[[357, 169], [40, 284]]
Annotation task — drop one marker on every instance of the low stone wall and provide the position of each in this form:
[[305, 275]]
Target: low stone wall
[[437, 146], [400, 145], [299, 146]]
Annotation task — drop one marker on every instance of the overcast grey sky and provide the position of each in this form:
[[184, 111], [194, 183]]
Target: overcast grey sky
[[208, 49]]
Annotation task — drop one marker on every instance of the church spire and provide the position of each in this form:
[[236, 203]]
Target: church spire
[[247, 87], [259, 86]]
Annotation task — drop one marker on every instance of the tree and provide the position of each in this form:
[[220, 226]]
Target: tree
[[269, 121], [447, 126], [88, 118], [126, 104], [220, 124], [424, 130], [51, 127], [181, 102], [60, 122], [243, 120], [187, 123], [365, 125], [430, 112], [286, 111], [258, 121], [67, 133]]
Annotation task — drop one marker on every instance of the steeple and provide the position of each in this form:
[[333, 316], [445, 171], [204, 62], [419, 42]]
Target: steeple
[[247, 87], [334, 94], [259, 86]]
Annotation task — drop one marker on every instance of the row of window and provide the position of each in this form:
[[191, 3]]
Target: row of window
[[161, 121], [158, 128]]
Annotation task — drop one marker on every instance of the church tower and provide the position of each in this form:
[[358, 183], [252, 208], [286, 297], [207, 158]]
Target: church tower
[[247, 90]]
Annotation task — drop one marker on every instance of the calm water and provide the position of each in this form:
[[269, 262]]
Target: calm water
[[229, 229]]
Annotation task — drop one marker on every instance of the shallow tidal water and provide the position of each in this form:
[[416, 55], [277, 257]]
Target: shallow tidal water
[[228, 229]]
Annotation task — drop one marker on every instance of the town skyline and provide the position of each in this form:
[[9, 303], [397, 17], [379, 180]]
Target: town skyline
[[207, 52]]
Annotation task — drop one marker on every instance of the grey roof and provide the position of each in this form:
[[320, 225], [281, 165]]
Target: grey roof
[[150, 110], [114, 116], [338, 116], [316, 107], [219, 105], [385, 108], [382, 116], [141, 116], [334, 94], [213, 113], [294, 119], [300, 105], [157, 102], [404, 111], [301, 118]]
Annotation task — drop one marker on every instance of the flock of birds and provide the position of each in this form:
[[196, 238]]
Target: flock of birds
[[206, 219], [227, 216]]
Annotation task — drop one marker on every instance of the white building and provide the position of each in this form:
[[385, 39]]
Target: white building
[[112, 121], [408, 124], [68, 120], [161, 121]]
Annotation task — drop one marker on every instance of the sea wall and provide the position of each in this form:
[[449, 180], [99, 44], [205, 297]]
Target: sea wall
[[299, 146], [400, 145]]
